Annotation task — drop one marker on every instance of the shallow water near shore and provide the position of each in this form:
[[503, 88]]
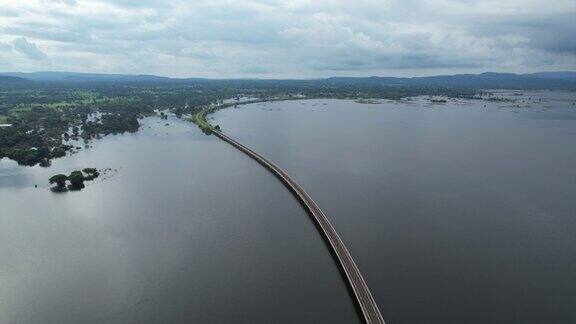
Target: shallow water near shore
[[186, 230]]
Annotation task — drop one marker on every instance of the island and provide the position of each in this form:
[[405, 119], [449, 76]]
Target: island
[[75, 178]]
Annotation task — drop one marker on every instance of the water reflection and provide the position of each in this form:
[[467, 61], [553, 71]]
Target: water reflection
[[456, 213], [187, 230]]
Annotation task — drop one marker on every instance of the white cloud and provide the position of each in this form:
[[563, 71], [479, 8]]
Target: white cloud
[[293, 38]]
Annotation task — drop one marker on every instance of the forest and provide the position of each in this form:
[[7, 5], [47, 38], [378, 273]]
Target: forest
[[39, 119]]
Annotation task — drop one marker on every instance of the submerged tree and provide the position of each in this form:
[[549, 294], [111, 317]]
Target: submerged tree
[[76, 179], [92, 173], [59, 180]]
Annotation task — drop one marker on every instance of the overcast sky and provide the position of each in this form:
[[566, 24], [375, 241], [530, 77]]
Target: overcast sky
[[292, 38]]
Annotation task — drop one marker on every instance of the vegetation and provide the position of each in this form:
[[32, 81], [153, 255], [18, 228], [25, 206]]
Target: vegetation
[[59, 180], [91, 173], [76, 179], [200, 120], [45, 117]]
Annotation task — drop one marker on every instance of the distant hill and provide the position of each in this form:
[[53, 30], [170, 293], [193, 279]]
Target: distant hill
[[50, 76], [540, 80], [555, 75], [8, 80]]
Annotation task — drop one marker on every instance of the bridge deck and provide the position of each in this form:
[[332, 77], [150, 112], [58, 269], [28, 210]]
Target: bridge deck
[[362, 296]]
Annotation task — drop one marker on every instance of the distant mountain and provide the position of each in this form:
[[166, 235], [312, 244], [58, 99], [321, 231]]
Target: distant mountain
[[50, 76], [555, 75], [542, 80], [8, 80]]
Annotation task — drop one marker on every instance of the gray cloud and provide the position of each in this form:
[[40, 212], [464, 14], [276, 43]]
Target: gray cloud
[[27, 48], [292, 38]]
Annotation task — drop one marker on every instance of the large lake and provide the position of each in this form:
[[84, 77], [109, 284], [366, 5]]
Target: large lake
[[188, 230], [455, 213]]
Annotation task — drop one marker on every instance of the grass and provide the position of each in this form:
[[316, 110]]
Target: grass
[[200, 119], [2, 119]]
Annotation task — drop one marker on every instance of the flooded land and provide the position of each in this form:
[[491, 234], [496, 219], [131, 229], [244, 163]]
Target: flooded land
[[455, 210]]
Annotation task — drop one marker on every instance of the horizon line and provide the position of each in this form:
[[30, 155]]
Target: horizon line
[[276, 78]]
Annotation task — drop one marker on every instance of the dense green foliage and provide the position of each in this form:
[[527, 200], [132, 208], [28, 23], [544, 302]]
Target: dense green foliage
[[46, 116], [76, 179], [91, 173], [59, 180]]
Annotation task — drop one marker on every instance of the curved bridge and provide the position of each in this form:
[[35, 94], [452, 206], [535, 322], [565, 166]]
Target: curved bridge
[[362, 296]]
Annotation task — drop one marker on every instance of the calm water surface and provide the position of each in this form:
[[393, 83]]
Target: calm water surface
[[188, 230], [455, 213]]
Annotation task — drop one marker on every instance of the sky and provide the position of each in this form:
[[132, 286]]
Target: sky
[[287, 39]]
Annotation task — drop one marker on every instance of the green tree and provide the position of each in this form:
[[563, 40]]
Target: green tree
[[76, 179], [59, 180], [92, 173]]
